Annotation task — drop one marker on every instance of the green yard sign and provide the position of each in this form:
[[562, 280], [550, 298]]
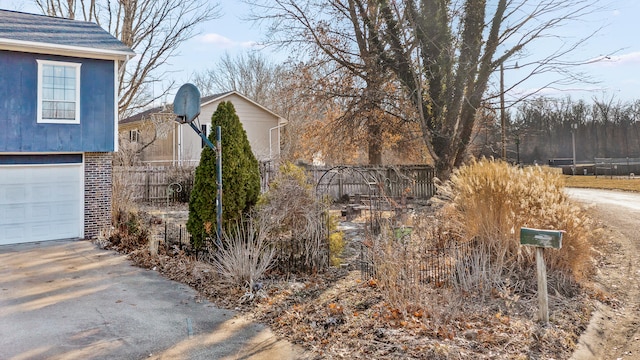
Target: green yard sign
[[541, 238]]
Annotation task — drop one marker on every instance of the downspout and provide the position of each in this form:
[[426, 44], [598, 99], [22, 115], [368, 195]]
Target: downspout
[[180, 145], [124, 64], [270, 142], [117, 72], [174, 144]]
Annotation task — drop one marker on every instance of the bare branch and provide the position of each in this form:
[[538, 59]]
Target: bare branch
[[154, 29]]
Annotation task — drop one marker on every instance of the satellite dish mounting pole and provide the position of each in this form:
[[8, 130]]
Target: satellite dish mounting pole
[[186, 106]]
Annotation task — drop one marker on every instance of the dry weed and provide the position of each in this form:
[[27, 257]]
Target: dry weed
[[130, 232], [124, 193], [300, 221], [246, 253]]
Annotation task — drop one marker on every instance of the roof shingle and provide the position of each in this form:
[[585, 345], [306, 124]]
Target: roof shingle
[[18, 26], [147, 113]]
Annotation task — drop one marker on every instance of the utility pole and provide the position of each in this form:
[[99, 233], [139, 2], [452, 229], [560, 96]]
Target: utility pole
[[502, 116], [518, 150], [574, 128]]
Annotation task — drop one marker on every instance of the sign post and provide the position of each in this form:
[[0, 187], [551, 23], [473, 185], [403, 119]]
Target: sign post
[[541, 239]]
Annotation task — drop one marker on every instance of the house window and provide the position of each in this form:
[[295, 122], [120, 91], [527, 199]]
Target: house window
[[203, 128], [134, 135], [58, 92]]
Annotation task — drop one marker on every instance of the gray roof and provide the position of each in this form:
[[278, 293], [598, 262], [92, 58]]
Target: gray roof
[[203, 101], [147, 113], [40, 29]]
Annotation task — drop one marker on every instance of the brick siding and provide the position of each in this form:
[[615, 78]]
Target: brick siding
[[97, 193]]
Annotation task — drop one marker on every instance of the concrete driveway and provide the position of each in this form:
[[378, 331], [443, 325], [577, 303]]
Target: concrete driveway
[[71, 300]]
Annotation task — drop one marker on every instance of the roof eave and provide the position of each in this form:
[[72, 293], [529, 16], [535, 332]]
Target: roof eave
[[66, 50], [234, 92]]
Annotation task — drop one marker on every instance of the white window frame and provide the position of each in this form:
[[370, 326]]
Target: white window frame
[[205, 130], [134, 135], [76, 67]]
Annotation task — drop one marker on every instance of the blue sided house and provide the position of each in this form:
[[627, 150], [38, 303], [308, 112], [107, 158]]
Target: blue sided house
[[58, 126]]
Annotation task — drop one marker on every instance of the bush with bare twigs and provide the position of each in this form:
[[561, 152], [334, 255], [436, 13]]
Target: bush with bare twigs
[[130, 232], [299, 218], [123, 194]]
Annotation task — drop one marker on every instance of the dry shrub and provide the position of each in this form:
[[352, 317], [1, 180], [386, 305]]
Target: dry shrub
[[246, 253], [123, 192], [299, 221], [472, 241], [490, 201], [336, 246], [336, 242], [412, 261], [394, 271], [130, 232]]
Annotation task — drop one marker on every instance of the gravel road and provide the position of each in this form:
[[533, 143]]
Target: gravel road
[[614, 330]]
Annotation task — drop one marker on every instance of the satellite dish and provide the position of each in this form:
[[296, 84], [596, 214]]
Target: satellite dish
[[186, 104]]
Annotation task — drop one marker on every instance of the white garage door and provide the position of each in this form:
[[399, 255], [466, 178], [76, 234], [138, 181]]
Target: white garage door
[[40, 202]]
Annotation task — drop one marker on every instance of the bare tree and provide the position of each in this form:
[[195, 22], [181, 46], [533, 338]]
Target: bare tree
[[154, 29], [443, 52], [338, 43], [250, 73]]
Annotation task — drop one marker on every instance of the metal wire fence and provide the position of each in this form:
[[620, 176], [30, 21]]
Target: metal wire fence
[[616, 166], [293, 255], [431, 265], [176, 235]]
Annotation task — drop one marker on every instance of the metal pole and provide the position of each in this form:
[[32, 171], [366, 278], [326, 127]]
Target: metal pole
[[219, 182], [502, 116], [573, 142], [518, 150]]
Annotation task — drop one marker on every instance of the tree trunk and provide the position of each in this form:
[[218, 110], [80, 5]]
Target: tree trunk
[[375, 143]]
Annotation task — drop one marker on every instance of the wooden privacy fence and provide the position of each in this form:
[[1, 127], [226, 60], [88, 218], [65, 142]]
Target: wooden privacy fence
[[409, 181], [154, 184], [158, 184]]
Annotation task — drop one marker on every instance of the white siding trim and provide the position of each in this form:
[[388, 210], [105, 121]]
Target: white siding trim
[[66, 50], [82, 198], [116, 101]]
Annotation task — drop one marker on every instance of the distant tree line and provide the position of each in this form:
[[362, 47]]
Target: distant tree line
[[543, 128]]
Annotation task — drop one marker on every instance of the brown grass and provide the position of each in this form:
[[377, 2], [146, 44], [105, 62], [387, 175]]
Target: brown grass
[[490, 200], [246, 253], [601, 182]]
